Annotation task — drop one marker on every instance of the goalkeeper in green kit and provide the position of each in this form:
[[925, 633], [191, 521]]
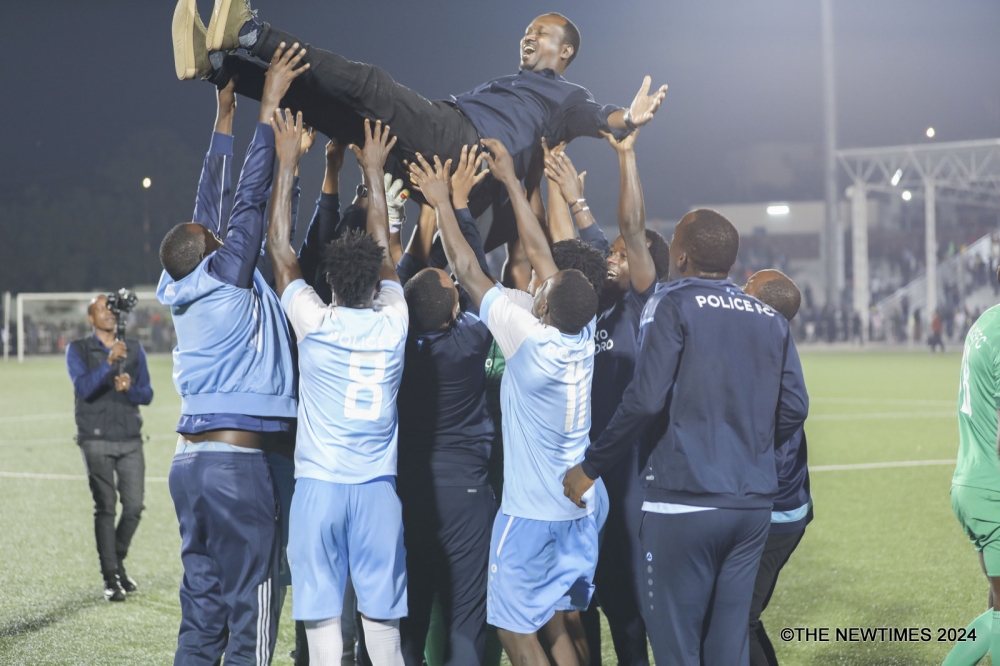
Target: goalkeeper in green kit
[[975, 488]]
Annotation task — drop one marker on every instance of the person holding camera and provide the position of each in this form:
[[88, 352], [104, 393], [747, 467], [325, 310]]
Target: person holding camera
[[110, 381]]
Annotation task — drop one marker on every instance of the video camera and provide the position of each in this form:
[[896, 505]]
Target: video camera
[[121, 303]]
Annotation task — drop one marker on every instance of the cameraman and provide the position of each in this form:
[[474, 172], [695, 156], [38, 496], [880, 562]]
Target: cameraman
[[110, 380]]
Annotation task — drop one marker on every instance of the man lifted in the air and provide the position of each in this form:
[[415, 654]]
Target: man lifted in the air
[[335, 95]]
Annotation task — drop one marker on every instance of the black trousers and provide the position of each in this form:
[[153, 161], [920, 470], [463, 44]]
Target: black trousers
[[699, 578], [777, 549], [103, 460], [447, 533]]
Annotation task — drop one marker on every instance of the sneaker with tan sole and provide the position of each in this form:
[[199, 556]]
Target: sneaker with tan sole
[[190, 50], [228, 16]]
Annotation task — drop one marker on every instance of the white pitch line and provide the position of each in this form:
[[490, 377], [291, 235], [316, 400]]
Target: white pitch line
[[879, 465], [876, 401], [65, 477], [874, 416]]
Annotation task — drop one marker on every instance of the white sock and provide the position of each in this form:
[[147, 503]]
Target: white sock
[[326, 645], [382, 641]]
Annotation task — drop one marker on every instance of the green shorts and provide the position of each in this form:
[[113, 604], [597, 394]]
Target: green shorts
[[978, 511]]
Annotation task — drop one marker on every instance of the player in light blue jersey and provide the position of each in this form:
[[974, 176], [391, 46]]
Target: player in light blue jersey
[[544, 548], [345, 514]]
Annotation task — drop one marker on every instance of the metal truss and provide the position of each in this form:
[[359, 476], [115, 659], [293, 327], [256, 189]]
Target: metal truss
[[963, 171]]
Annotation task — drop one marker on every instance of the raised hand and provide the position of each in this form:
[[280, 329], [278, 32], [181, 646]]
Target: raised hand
[[395, 200], [645, 105], [334, 156], [560, 171], [308, 138], [501, 163], [287, 137], [376, 150], [226, 107], [466, 176], [279, 77], [625, 145], [432, 181]]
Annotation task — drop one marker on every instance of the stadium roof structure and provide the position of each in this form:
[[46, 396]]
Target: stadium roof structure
[[966, 172]]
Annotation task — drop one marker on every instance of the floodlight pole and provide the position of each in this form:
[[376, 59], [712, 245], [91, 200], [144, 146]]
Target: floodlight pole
[[829, 238], [859, 242], [930, 244], [6, 325], [20, 328]]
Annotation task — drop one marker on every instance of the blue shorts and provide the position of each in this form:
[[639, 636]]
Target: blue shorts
[[538, 567], [335, 528], [283, 473]]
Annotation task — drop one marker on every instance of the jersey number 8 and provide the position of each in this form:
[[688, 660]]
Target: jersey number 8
[[362, 383]]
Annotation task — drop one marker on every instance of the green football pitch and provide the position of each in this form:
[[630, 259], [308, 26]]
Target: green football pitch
[[884, 550]]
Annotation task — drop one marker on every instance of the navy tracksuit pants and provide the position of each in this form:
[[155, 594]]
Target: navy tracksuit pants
[[698, 582], [447, 533], [615, 578], [227, 511]]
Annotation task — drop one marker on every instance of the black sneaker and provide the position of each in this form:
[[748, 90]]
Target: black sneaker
[[113, 590], [127, 583]]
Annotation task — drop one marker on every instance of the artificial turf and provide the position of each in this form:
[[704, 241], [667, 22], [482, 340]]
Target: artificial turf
[[884, 550]]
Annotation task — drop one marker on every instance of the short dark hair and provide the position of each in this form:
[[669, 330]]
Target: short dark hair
[[711, 241], [575, 254], [181, 251], [571, 36], [353, 264], [781, 294], [572, 301], [660, 250], [431, 304]]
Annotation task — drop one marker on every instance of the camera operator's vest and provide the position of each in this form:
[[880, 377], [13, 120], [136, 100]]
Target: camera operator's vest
[[107, 414]]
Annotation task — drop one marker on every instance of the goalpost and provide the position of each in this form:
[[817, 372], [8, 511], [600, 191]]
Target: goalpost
[[47, 322]]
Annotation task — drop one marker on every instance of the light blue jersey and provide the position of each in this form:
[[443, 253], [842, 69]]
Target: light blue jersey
[[350, 365], [545, 399]]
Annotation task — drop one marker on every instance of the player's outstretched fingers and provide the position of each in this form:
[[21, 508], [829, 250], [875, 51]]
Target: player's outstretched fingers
[[276, 58]]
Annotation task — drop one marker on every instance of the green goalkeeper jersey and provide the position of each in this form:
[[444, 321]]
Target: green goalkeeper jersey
[[978, 399]]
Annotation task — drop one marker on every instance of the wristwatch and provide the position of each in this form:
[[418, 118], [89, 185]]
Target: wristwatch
[[627, 119]]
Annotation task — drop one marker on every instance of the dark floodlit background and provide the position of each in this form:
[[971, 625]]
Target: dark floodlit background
[[90, 104]]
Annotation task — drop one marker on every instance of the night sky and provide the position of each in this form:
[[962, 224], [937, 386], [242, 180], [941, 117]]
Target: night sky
[[82, 79]]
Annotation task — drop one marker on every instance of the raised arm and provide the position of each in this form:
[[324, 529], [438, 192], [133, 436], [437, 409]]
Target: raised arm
[[215, 183], [235, 261], [324, 221], [433, 182], [395, 200], [468, 174], [641, 110], [372, 160], [419, 248], [560, 222], [532, 237], [288, 146], [560, 171], [632, 215]]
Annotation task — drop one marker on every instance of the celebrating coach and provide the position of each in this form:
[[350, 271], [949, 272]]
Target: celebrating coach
[[110, 380]]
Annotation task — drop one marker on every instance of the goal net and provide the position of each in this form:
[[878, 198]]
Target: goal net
[[47, 323]]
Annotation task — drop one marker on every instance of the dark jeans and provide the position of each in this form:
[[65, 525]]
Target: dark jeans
[[103, 459], [777, 549]]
